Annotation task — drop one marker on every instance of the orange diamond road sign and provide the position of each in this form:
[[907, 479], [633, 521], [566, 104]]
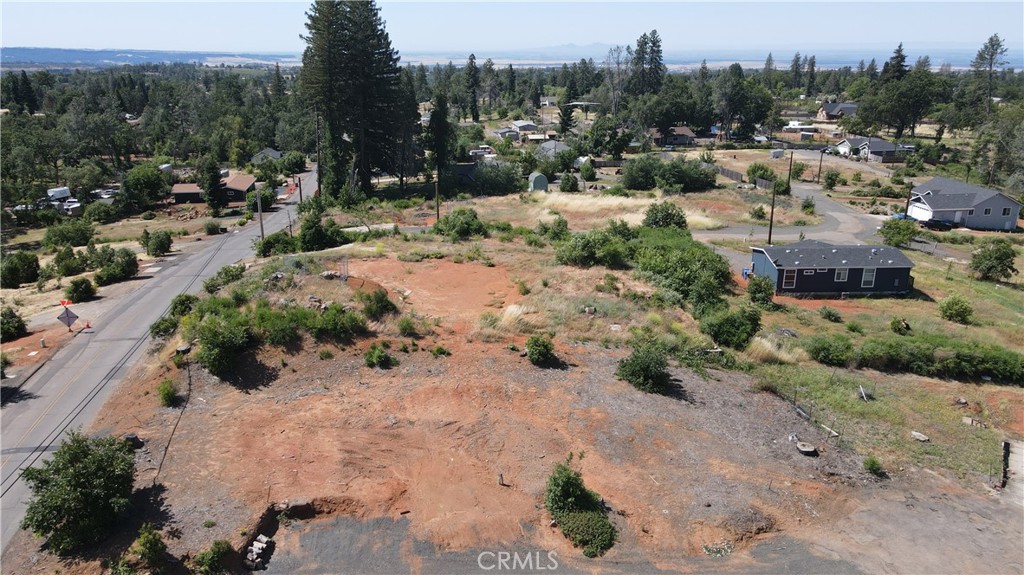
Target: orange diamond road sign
[[65, 302]]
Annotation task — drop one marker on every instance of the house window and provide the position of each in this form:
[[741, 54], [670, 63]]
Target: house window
[[842, 274], [1006, 211], [970, 212], [896, 282], [788, 279], [821, 270], [808, 272], [868, 279], [988, 211]]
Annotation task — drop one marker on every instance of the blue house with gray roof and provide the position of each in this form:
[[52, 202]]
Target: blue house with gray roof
[[815, 268], [962, 204]]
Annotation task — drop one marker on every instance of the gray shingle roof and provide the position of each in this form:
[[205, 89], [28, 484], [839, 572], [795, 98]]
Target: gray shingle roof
[[854, 142], [816, 254], [946, 194], [834, 108]]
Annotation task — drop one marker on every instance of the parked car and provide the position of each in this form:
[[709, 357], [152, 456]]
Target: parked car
[[904, 217], [937, 225]]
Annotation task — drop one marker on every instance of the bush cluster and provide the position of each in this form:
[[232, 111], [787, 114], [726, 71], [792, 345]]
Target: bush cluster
[[159, 243], [761, 291], [540, 350], [377, 356], [18, 268], [376, 304], [955, 307], [76, 232], [665, 215], [578, 511], [461, 224], [276, 244], [646, 369], [79, 290], [12, 325], [168, 393], [556, 231], [596, 247], [732, 328], [834, 350], [224, 276]]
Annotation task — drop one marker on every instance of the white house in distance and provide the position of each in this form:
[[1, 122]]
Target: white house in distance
[[524, 126], [962, 204]]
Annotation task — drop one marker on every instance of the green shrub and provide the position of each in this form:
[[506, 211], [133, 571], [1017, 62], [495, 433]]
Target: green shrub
[[760, 290], [665, 215], [641, 173], [163, 327], [854, 327], [376, 304], [899, 325], [326, 354], [277, 327], [646, 369], [212, 227], [75, 233], [781, 188], [830, 178], [807, 206], [266, 197], [798, 170], [834, 350], [224, 276], [159, 243], [578, 511], [592, 248], [760, 171], [734, 329], [955, 307], [587, 172], [18, 268], [68, 263], [830, 314], [994, 260], [122, 265], [212, 561], [377, 356], [705, 295], [221, 337], [149, 215], [101, 213], [540, 350], [439, 351], [568, 184], [168, 393], [150, 547], [873, 466], [407, 326], [183, 304], [461, 224], [556, 231], [79, 290], [758, 213], [338, 324], [276, 244], [12, 325]]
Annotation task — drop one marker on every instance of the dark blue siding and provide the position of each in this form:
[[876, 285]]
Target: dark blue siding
[[887, 280], [764, 267]]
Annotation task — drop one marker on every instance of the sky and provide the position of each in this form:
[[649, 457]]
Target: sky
[[486, 26]]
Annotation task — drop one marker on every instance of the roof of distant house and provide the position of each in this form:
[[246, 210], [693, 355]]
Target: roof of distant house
[[186, 189], [675, 131], [836, 108], [239, 181], [947, 194], [817, 254], [269, 152], [522, 123]]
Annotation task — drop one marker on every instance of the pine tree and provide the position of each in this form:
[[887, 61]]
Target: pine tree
[[769, 70], [354, 79], [27, 94], [811, 76], [795, 71], [895, 68], [510, 86], [408, 128], [473, 87], [655, 65], [989, 57], [277, 84], [439, 132]]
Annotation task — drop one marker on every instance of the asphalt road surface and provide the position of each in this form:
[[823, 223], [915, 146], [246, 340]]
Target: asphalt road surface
[[70, 389]]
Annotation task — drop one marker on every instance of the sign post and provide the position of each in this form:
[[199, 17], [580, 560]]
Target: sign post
[[67, 317]]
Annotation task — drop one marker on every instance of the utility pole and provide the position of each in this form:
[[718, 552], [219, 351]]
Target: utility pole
[[300, 185], [437, 201], [771, 217], [820, 161], [319, 157], [259, 208]]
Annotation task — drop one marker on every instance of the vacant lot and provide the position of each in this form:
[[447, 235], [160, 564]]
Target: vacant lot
[[423, 465]]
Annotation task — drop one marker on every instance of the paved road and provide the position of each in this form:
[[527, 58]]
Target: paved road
[[71, 388]]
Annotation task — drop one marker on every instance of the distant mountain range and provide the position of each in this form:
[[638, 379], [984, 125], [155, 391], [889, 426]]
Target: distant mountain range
[[18, 58]]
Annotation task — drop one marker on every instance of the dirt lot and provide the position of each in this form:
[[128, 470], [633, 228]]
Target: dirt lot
[[404, 464]]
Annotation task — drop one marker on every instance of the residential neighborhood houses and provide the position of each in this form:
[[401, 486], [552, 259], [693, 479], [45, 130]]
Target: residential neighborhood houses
[[962, 204], [819, 269]]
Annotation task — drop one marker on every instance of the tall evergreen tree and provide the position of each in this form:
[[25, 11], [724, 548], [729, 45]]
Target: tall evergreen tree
[[812, 77], [895, 68], [27, 94], [510, 86], [354, 78], [655, 67], [768, 72], [796, 71], [989, 57], [277, 84], [473, 87], [439, 132], [408, 128], [872, 70]]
